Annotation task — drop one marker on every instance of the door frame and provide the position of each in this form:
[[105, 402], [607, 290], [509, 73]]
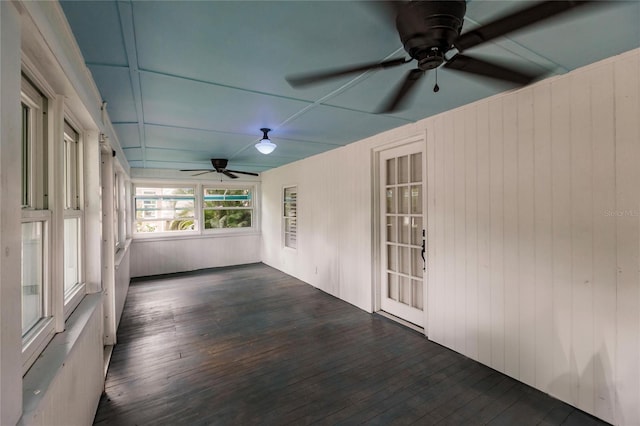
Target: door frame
[[376, 247]]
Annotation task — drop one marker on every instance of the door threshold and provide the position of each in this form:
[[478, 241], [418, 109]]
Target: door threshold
[[401, 321]]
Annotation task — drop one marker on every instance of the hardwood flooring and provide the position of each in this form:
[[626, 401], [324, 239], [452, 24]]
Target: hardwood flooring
[[250, 345]]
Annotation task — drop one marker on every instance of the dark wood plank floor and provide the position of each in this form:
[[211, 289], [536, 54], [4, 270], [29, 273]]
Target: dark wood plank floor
[[251, 345]]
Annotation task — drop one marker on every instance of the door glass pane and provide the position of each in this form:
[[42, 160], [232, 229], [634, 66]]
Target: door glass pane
[[391, 229], [404, 285], [32, 261], [417, 296], [391, 171], [403, 169], [404, 260], [71, 253], [392, 286], [391, 200], [391, 258], [404, 199], [416, 231], [404, 229], [416, 199], [416, 167], [416, 263]]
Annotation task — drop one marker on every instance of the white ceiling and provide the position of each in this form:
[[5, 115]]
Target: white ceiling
[[186, 81]]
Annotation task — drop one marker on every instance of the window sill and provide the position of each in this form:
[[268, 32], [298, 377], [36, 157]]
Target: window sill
[[120, 253], [207, 234]]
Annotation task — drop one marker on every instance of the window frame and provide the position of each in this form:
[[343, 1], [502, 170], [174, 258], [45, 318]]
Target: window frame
[[229, 186], [163, 234], [74, 209], [286, 217], [34, 202], [199, 231]]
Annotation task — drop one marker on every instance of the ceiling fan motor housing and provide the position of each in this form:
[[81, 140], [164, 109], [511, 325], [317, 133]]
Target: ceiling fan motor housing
[[219, 163], [428, 29]]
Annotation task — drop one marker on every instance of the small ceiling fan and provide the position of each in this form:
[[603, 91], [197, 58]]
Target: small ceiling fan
[[220, 166], [430, 31]]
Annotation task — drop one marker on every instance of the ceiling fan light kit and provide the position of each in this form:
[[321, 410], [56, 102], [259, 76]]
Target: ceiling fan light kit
[[265, 146]]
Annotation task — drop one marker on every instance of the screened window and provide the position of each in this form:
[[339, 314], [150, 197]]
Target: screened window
[[165, 209], [290, 216], [35, 217], [225, 208], [120, 194], [73, 215]]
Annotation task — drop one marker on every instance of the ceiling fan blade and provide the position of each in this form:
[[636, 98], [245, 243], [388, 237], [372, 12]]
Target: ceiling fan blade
[[394, 102], [515, 21], [243, 173], [488, 69], [317, 77], [202, 171], [227, 173]]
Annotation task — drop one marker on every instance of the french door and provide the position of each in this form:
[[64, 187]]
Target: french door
[[402, 220]]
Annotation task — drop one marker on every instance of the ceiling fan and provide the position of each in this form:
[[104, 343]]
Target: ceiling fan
[[430, 31], [220, 166]]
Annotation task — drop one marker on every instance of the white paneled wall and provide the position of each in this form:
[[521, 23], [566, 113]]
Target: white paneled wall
[[533, 232], [534, 227], [122, 278], [154, 257], [64, 386]]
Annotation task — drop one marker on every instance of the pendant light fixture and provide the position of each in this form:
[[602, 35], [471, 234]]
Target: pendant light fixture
[[265, 146]]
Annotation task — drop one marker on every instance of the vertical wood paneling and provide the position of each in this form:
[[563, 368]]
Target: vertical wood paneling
[[561, 222], [449, 283], [471, 232], [604, 240], [581, 242], [511, 283], [430, 226], [497, 235], [436, 239], [543, 237], [526, 251], [458, 212], [484, 234], [628, 235]]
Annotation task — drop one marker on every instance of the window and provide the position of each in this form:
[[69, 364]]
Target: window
[[120, 205], [35, 218], [165, 209], [73, 214], [290, 216], [225, 208]]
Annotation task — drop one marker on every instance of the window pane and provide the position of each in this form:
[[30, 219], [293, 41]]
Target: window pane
[[290, 225], [403, 169], [391, 200], [26, 155], [416, 167], [290, 240], [32, 280], [161, 209], [404, 229], [290, 212], [404, 199], [416, 199], [391, 229], [391, 171], [71, 253], [166, 225], [216, 197], [216, 219]]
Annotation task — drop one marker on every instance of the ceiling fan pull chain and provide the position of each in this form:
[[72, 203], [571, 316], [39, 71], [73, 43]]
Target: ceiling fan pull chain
[[436, 88]]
